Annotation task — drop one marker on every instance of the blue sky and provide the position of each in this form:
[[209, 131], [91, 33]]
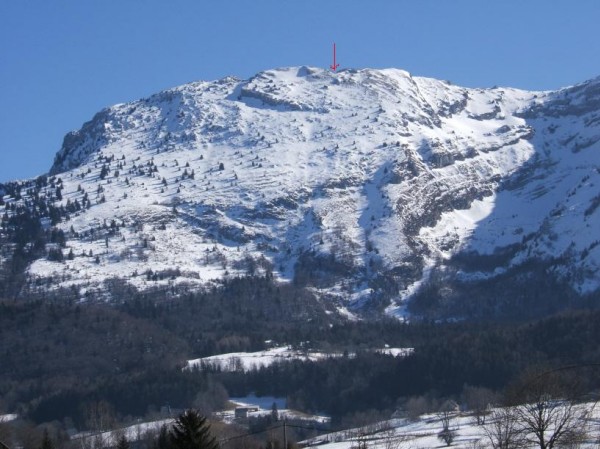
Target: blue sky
[[62, 61]]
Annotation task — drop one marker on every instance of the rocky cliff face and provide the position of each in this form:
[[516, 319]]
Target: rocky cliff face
[[368, 186]]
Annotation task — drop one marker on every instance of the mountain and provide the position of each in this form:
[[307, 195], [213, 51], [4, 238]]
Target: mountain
[[369, 188]]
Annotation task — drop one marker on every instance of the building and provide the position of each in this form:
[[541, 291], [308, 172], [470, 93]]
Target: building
[[242, 412]]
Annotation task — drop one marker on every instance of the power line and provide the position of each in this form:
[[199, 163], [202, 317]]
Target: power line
[[283, 425], [237, 437]]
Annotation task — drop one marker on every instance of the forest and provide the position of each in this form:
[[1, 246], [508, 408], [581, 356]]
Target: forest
[[59, 357]]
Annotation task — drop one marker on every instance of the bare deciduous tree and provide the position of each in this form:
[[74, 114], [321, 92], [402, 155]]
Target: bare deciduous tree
[[394, 440], [549, 414], [100, 418], [550, 421], [447, 434], [503, 430], [418, 405], [478, 400]]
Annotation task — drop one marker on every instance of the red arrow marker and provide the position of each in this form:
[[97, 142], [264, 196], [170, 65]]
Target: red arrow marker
[[334, 66]]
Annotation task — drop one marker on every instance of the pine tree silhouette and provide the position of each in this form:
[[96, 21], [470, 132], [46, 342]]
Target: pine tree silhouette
[[46, 441], [192, 431], [123, 443], [164, 439]]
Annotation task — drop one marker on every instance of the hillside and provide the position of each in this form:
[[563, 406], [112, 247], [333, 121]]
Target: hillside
[[367, 187]]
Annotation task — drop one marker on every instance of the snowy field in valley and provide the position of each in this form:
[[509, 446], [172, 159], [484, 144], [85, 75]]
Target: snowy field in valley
[[398, 433], [8, 417], [134, 432], [423, 433], [246, 361]]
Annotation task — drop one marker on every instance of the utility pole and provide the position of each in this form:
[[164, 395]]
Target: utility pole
[[284, 434]]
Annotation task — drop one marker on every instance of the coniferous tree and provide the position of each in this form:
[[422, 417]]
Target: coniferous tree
[[274, 412], [46, 441], [123, 443], [192, 431], [163, 441]]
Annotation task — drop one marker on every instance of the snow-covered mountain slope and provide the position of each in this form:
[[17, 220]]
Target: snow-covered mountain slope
[[359, 184]]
